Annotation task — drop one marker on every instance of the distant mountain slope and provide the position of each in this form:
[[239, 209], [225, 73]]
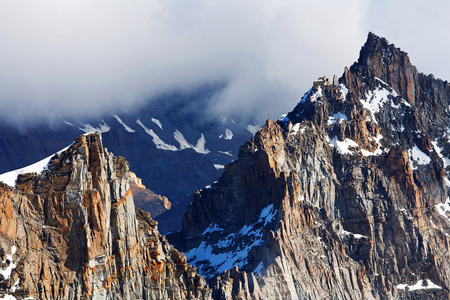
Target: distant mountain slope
[[170, 143], [345, 197]]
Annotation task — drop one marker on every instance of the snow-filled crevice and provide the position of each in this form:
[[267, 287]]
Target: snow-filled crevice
[[127, 128], [159, 143]]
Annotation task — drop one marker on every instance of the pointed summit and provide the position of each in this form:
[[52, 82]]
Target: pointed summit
[[377, 49], [380, 59]]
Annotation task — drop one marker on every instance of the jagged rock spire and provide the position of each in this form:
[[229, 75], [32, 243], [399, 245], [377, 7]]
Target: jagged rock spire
[[344, 197], [380, 59]]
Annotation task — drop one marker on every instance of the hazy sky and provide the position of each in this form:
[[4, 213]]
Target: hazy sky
[[80, 57]]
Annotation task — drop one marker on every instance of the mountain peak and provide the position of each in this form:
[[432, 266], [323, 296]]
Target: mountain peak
[[379, 59], [377, 49]]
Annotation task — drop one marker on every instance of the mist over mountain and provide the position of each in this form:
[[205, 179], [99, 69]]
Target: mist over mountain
[[63, 59], [172, 143]]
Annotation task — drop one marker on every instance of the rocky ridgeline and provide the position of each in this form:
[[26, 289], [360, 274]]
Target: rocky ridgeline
[[345, 197], [74, 233]]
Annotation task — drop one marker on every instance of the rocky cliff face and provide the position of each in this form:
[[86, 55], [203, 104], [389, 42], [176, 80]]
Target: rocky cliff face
[[73, 232], [345, 197]]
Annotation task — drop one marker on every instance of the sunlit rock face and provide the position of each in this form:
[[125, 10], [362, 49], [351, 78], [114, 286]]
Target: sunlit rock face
[[345, 197], [73, 232]]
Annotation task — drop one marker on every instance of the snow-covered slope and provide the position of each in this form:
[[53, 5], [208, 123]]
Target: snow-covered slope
[[10, 177]]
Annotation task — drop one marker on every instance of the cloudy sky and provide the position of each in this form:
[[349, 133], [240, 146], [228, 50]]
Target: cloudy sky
[[81, 57]]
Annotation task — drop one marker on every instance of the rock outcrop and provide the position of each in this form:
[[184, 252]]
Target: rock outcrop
[[146, 199], [345, 197], [73, 232]]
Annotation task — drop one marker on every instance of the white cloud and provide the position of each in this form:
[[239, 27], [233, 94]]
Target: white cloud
[[61, 57]]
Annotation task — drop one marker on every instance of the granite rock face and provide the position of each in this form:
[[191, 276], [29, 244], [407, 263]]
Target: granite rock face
[[73, 232], [345, 197]]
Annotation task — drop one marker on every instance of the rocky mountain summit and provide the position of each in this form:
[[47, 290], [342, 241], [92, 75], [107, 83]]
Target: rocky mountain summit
[[345, 197], [73, 232]]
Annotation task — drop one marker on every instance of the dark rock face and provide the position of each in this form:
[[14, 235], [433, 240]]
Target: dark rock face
[[74, 233], [345, 197]]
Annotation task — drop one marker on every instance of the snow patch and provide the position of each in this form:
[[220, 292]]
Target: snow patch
[[314, 97], [337, 118], [123, 124], [267, 214], [159, 143], [184, 144], [377, 98], [305, 96], [157, 122], [212, 228], [200, 147], [7, 272], [355, 235], [68, 123], [253, 128], [418, 157], [344, 146], [295, 128], [226, 153], [10, 177], [219, 262], [228, 134], [374, 100], [377, 151], [419, 285], [258, 268], [394, 93], [219, 167], [432, 224], [284, 118], [439, 153], [344, 90], [179, 137], [444, 208], [88, 128]]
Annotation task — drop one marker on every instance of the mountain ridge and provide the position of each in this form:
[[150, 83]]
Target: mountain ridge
[[357, 177], [344, 197]]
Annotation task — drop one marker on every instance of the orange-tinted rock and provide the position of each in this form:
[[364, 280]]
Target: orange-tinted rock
[[78, 235]]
